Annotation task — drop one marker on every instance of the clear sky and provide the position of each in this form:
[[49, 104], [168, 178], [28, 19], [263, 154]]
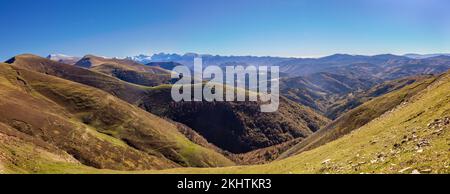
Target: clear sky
[[227, 27]]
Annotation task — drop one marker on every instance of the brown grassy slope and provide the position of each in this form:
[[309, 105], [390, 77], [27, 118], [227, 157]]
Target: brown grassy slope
[[18, 152], [358, 117], [242, 123], [38, 120], [119, 88], [413, 137], [76, 107], [127, 70]]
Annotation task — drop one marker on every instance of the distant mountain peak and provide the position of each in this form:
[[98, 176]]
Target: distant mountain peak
[[141, 58], [62, 58], [425, 56]]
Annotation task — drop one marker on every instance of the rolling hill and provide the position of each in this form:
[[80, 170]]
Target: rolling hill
[[410, 138], [359, 116], [246, 128], [87, 126], [127, 70], [398, 126], [320, 91], [356, 98], [237, 127]]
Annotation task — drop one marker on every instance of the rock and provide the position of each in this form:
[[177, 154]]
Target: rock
[[403, 170], [415, 172], [380, 155], [423, 143], [426, 170]]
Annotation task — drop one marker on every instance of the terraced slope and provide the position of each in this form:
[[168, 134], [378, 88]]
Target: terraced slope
[[95, 128]]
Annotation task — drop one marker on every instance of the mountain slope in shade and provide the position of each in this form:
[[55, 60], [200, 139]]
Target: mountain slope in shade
[[127, 70], [97, 129], [247, 128], [237, 127]]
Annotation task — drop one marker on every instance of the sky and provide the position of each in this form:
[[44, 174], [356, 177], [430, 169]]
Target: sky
[[289, 28]]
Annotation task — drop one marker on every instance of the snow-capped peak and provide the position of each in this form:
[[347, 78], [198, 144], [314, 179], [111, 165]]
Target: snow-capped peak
[[141, 58], [63, 58]]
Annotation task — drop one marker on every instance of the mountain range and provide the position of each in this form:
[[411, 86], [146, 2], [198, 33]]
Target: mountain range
[[341, 113]]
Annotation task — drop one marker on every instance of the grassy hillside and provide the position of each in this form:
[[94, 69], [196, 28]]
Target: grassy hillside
[[358, 117], [243, 125], [127, 70], [411, 138], [93, 127], [123, 90]]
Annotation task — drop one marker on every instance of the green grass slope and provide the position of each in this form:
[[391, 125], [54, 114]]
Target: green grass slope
[[97, 129]]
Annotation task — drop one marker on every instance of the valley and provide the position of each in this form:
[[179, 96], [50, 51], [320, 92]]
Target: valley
[[341, 114]]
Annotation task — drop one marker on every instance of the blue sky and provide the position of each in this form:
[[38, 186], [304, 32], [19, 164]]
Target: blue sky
[[227, 27]]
